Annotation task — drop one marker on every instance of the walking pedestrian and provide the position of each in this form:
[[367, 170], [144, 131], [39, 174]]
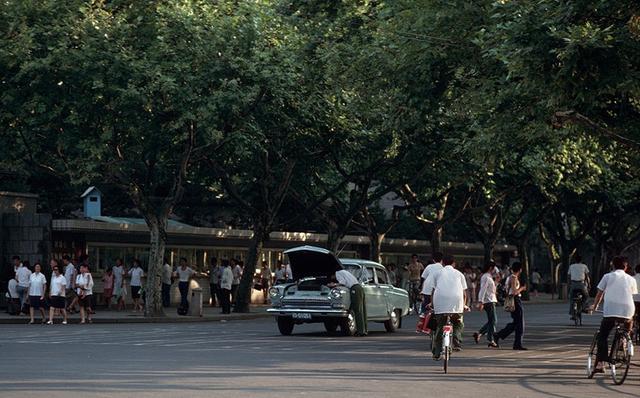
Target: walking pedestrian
[[70, 274], [214, 281], [37, 289], [536, 280], [517, 315], [487, 301], [184, 274], [226, 283], [84, 290], [167, 273], [358, 299], [57, 293], [136, 273], [265, 280], [449, 290], [119, 288], [23, 273]]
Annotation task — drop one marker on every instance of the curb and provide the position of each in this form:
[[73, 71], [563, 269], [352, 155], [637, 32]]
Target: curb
[[186, 319]]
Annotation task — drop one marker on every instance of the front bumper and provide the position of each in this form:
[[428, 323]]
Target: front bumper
[[315, 312]]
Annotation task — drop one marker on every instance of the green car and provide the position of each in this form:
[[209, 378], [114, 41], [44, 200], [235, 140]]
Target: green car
[[310, 300]]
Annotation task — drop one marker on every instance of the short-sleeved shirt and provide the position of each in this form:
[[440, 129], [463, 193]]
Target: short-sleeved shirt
[[37, 280], [346, 278], [226, 279], [69, 270], [184, 274], [136, 274], [448, 296], [166, 274], [84, 281], [23, 274], [237, 274], [618, 289], [214, 274], [578, 272], [431, 269], [11, 288], [118, 273], [58, 285]]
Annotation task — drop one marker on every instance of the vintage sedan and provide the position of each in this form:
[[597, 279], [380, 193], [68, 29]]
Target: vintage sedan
[[310, 300]]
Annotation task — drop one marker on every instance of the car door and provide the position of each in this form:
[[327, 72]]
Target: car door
[[386, 289], [374, 296]]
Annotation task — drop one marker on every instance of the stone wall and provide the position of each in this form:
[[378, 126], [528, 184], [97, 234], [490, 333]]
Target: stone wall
[[27, 236]]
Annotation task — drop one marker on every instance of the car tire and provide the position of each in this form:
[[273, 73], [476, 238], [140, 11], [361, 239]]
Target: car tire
[[392, 324], [285, 325], [348, 325], [331, 326]]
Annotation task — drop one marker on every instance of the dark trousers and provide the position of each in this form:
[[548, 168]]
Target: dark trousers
[[359, 308], [166, 295], [458, 327], [225, 295], [582, 287], [184, 291], [215, 295], [516, 324], [489, 328], [606, 325], [234, 293]]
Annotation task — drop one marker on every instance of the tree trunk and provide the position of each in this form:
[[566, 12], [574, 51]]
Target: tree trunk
[[158, 239], [436, 238], [523, 254], [375, 247], [243, 300], [488, 246]]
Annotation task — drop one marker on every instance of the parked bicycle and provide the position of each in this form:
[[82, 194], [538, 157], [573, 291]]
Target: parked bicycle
[[619, 356]]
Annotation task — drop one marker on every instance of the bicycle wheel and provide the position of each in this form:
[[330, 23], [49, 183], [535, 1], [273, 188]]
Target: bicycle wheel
[[591, 359], [447, 354], [574, 313], [620, 358]]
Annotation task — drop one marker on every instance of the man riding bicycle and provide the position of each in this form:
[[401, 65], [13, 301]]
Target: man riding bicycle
[[579, 280], [449, 295], [618, 289]]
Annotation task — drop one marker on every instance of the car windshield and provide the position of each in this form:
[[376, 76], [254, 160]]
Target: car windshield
[[355, 270]]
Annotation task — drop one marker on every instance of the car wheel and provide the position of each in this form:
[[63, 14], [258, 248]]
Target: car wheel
[[348, 325], [394, 322], [285, 325], [331, 326]]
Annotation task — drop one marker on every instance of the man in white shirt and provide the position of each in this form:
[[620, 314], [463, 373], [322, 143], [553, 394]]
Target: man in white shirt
[[12, 297], [118, 283], [578, 275], [226, 282], [184, 274], [449, 296], [358, 301], [57, 293], [70, 274], [237, 276], [618, 289], [487, 301], [136, 273], [23, 274], [37, 288], [166, 284], [432, 268]]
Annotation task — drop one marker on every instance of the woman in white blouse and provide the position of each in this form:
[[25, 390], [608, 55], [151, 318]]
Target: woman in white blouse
[[84, 287], [487, 300], [37, 287]]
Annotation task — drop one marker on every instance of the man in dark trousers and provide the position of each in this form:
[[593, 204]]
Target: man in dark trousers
[[358, 305]]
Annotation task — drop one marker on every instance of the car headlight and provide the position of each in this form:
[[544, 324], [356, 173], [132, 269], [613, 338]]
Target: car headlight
[[336, 293], [274, 292]]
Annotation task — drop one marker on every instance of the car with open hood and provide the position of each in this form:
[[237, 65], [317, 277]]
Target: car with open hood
[[309, 299]]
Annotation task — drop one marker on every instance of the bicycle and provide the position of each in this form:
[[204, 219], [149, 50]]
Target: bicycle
[[447, 330], [576, 307], [619, 357]]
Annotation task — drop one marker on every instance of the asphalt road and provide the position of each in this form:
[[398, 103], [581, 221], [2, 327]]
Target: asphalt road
[[251, 359]]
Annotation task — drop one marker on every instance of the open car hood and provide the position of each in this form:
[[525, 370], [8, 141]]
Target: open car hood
[[311, 261]]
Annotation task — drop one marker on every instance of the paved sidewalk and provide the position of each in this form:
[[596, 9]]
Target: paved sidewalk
[[211, 314]]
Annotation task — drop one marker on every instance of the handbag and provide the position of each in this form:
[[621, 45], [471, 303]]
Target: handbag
[[509, 304]]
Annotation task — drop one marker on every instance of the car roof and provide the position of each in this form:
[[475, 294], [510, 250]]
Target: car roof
[[356, 261]]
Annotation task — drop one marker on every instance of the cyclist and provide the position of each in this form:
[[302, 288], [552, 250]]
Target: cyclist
[[579, 277], [449, 295], [432, 268], [618, 289]]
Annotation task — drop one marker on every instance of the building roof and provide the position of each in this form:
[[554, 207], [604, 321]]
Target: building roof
[[133, 221], [89, 190]]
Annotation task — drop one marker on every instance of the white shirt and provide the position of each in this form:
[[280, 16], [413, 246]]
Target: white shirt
[[11, 288], [578, 272], [431, 269], [215, 274], [166, 274], [37, 281], [118, 273], [184, 274], [535, 278], [84, 281], [637, 278], [618, 289], [23, 274], [487, 293], [58, 285], [69, 270], [346, 278], [288, 273], [227, 278], [237, 274], [448, 296], [136, 274]]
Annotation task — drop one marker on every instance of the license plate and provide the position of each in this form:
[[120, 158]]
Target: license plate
[[301, 315]]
